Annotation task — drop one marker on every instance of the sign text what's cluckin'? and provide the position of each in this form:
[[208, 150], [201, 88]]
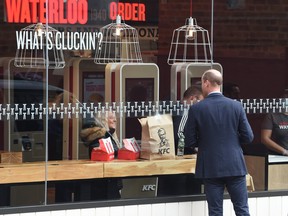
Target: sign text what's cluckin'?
[[59, 40]]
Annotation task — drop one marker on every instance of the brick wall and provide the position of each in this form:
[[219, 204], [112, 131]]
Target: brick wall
[[241, 36], [258, 30], [249, 42]]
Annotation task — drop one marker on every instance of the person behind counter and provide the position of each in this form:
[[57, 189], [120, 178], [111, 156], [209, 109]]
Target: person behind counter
[[231, 90], [274, 131], [191, 95], [218, 126], [104, 127]]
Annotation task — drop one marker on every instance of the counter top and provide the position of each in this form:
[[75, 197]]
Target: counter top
[[86, 169], [147, 168], [56, 170], [277, 159]]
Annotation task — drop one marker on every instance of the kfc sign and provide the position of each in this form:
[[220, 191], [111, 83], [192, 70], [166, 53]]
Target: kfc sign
[[151, 187]]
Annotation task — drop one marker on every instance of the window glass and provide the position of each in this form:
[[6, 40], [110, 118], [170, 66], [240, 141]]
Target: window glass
[[67, 104]]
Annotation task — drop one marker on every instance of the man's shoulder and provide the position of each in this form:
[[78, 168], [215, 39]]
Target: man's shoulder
[[220, 99], [230, 100]]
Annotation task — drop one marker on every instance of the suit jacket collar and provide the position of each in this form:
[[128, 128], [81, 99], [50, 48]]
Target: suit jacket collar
[[214, 94]]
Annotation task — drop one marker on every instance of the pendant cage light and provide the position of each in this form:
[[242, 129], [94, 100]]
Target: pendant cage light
[[38, 48], [190, 44], [120, 43]]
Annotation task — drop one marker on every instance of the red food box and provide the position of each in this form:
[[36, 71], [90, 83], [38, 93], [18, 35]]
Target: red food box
[[105, 151], [130, 151]]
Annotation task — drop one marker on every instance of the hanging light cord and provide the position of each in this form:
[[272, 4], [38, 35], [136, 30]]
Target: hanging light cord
[[190, 8], [212, 29]]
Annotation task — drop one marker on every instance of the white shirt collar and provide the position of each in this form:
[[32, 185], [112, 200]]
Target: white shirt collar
[[214, 92]]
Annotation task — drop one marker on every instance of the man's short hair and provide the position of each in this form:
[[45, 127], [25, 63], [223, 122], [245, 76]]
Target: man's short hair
[[213, 76], [192, 91]]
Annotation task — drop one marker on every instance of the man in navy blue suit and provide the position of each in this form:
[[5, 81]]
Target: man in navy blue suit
[[218, 126]]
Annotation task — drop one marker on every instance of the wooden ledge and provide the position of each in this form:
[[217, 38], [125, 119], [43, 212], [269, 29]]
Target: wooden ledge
[[56, 171], [72, 171], [118, 168], [86, 169]]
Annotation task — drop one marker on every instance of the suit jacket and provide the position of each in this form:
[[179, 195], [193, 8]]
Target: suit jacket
[[218, 126]]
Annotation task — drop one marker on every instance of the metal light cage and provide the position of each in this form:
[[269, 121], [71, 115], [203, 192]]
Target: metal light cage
[[45, 54], [120, 43], [190, 44]]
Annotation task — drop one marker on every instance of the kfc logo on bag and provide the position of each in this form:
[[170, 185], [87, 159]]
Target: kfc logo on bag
[[164, 145]]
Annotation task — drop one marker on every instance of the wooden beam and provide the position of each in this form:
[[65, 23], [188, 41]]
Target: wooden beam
[[123, 168], [56, 171], [75, 169], [86, 169]]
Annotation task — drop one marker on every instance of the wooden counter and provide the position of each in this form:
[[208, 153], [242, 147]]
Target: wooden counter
[[26, 172], [85, 169], [147, 168], [269, 172], [74, 169], [56, 170]]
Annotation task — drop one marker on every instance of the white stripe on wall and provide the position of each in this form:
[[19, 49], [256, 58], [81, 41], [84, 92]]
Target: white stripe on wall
[[262, 206]]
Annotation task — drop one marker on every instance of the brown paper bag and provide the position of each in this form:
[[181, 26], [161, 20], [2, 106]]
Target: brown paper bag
[[157, 139]]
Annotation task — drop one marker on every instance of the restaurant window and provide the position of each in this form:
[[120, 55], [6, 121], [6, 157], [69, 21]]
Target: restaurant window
[[51, 92]]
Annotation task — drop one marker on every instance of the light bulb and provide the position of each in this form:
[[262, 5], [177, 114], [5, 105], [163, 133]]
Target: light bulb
[[118, 27], [118, 32], [39, 29], [190, 32]]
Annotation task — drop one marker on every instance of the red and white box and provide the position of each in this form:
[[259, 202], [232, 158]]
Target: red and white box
[[105, 151], [130, 150]]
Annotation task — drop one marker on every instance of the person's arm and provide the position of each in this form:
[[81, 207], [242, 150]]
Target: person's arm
[[270, 144], [190, 133], [182, 123]]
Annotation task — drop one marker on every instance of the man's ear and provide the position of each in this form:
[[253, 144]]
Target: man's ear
[[193, 97]]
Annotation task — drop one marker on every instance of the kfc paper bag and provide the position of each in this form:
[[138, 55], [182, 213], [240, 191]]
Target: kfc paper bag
[[157, 139]]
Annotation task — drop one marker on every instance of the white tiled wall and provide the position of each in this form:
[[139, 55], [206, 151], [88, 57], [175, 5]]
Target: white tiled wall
[[263, 206]]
